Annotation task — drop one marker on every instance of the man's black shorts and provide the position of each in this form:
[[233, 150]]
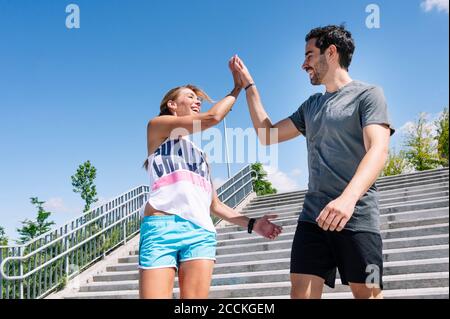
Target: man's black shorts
[[357, 255]]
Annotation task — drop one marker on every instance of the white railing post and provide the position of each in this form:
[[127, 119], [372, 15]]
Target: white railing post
[[66, 240], [1, 276], [104, 236], [124, 225], [21, 273]]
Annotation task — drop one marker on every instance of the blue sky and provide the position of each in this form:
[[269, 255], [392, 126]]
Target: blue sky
[[71, 95]]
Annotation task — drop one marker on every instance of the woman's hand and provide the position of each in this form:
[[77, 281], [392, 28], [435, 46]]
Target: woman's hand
[[239, 67], [264, 227], [237, 79]]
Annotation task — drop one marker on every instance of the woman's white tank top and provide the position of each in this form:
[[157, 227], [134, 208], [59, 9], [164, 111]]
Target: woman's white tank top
[[180, 182]]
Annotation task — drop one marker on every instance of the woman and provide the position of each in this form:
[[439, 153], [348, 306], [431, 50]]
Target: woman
[[177, 232]]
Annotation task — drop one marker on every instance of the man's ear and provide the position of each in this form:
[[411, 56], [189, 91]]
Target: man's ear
[[332, 53]]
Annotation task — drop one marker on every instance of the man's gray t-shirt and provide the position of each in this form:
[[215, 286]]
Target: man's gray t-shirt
[[333, 126]]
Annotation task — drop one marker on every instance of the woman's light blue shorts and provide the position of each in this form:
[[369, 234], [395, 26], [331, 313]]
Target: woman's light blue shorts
[[166, 241]]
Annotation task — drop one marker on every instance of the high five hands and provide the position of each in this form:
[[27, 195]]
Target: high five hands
[[240, 71]]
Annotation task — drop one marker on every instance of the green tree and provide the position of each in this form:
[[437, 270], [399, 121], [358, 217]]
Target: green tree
[[260, 184], [32, 229], [442, 137], [421, 152], [396, 163], [3, 238], [83, 182]]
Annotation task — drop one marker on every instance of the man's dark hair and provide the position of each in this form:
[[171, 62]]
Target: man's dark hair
[[337, 35]]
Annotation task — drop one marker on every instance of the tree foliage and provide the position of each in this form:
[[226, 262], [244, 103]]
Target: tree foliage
[[396, 163], [34, 228], [442, 137], [260, 184], [3, 238], [83, 183], [421, 151]]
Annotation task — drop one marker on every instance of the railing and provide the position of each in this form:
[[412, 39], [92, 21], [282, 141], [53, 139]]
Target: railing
[[236, 189], [45, 264]]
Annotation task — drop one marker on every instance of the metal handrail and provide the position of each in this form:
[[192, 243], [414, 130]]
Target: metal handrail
[[251, 180], [69, 244], [28, 243], [74, 230], [245, 167], [238, 190], [60, 255]]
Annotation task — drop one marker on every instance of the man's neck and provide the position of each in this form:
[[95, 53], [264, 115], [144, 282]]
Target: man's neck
[[338, 79]]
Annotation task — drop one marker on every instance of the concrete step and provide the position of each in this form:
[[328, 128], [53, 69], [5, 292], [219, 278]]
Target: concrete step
[[435, 171], [126, 294], [439, 202], [292, 221], [424, 181], [396, 254], [400, 180], [412, 184], [384, 207], [408, 177], [256, 265], [390, 268], [291, 225], [287, 244], [428, 280], [402, 192], [404, 281], [429, 240], [288, 233], [383, 202], [413, 293], [418, 293], [286, 220]]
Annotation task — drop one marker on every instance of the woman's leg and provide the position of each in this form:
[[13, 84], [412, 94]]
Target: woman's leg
[[156, 283], [195, 278]]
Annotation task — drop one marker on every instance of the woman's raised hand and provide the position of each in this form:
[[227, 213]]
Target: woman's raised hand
[[236, 77]]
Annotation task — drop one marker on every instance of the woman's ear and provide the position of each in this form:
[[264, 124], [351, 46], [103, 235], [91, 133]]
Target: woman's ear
[[172, 106]]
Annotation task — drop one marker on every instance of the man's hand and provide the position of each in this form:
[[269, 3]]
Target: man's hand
[[236, 77], [266, 228], [336, 214]]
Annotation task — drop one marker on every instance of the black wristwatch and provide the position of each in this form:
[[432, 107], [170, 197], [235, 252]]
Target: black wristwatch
[[251, 223]]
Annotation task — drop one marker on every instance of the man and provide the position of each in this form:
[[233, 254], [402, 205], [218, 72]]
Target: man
[[347, 130]]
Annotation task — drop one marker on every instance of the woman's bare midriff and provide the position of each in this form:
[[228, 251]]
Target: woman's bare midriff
[[150, 211]]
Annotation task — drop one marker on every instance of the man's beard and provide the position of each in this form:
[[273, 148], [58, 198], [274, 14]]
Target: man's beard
[[319, 71]]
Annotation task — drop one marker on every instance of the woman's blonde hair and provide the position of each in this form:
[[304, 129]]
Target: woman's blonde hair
[[173, 95]]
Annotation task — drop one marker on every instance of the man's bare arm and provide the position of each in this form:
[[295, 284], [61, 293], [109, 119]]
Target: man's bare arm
[[267, 132]]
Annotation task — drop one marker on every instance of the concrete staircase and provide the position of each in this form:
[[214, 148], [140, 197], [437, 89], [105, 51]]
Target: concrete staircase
[[415, 231]]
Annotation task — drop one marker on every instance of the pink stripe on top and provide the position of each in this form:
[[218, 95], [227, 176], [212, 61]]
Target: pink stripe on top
[[179, 176]]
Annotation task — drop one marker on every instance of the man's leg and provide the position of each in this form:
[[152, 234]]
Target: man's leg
[[362, 291], [312, 262], [306, 286], [360, 262]]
